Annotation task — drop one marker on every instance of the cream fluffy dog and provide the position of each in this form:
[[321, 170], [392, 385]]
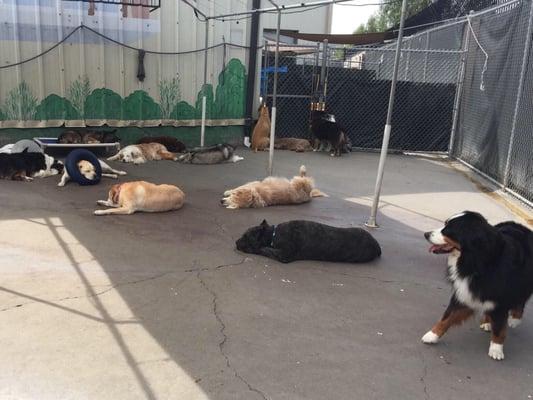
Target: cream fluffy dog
[[272, 191], [130, 197], [140, 153]]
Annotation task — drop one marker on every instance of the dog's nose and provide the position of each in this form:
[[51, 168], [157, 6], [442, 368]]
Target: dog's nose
[[427, 235], [221, 201]]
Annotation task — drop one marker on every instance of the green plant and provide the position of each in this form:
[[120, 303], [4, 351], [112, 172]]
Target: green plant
[[170, 95], [77, 93], [20, 103]]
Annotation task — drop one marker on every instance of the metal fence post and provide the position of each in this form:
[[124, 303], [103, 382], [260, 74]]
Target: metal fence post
[[274, 99], [525, 59], [426, 58], [459, 88], [372, 223]]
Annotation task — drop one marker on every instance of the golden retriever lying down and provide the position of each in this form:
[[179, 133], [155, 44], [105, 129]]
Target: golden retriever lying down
[[272, 191], [293, 144], [140, 153], [130, 197]]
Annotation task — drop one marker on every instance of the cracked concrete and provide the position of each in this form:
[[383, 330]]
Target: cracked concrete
[[162, 306]]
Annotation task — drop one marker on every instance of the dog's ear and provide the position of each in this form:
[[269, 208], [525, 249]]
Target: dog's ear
[[264, 224]]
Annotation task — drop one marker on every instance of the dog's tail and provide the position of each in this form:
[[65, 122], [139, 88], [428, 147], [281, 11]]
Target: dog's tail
[[318, 193], [303, 171]]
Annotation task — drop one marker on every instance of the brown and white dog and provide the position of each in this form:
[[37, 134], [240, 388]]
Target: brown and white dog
[[272, 191], [130, 197], [293, 144], [140, 153], [261, 132]]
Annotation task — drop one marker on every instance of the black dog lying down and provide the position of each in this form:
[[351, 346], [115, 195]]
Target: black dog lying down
[[307, 240]]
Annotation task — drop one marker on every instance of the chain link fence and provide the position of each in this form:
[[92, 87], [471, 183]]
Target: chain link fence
[[465, 88], [494, 129]]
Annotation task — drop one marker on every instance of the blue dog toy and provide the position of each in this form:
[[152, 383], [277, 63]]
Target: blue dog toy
[[71, 164]]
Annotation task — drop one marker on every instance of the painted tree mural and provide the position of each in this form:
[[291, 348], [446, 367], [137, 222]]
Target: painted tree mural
[[56, 107], [227, 101], [77, 92], [169, 95], [20, 103]]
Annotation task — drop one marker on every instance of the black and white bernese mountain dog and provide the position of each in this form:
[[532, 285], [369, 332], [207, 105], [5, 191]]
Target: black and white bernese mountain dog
[[491, 272]]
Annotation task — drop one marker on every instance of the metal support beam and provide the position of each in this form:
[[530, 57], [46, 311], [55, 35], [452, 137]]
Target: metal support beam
[[371, 223], [252, 66], [274, 97]]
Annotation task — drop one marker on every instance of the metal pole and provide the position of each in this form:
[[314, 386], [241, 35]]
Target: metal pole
[[459, 89], [426, 58], [204, 99], [284, 7], [322, 85], [371, 223], [525, 59], [274, 99]]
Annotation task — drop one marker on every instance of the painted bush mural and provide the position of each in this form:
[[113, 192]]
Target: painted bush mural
[[84, 103]]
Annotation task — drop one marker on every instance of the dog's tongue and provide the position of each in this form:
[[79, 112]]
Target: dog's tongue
[[433, 248]]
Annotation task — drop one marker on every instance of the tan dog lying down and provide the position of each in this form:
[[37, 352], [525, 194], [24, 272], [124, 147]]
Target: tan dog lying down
[[272, 191], [130, 197], [140, 153], [294, 144]]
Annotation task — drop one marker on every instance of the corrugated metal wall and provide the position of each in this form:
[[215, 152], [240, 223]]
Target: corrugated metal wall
[[86, 62]]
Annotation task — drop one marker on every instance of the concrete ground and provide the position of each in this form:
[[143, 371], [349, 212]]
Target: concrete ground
[[161, 305]]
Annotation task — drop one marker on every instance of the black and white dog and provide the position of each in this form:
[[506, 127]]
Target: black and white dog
[[491, 272], [327, 132], [25, 166], [307, 240]]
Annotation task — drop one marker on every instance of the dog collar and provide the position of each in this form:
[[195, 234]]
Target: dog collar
[[273, 236]]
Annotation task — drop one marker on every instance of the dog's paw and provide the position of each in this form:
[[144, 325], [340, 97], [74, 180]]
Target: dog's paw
[[496, 351], [99, 212], [101, 202], [485, 326], [121, 173], [61, 184], [430, 338], [513, 322]]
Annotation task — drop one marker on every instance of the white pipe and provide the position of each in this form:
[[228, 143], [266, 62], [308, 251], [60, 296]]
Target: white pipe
[[202, 129]]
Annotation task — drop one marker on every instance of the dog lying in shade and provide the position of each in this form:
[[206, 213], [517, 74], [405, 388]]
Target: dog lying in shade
[[220, 153], [131, 197], [272, 191], [307, 240], [171, 143], [293, 144], [140, 153]]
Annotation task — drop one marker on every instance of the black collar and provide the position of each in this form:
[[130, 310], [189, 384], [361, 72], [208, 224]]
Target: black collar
[[273, 236]]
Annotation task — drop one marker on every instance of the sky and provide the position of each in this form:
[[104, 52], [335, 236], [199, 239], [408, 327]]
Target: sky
[[346, 18]]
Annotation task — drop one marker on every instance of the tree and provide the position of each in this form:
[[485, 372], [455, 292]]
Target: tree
[[389, 15]]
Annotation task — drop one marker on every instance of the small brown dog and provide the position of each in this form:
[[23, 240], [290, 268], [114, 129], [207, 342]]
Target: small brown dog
[[130, 197], [272, 191], [261, 133], [293, 144], [171, 143]]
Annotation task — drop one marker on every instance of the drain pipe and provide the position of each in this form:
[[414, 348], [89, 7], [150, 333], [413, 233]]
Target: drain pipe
[[274, 96]]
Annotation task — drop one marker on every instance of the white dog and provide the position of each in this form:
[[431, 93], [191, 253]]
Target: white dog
[[89, 172]]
